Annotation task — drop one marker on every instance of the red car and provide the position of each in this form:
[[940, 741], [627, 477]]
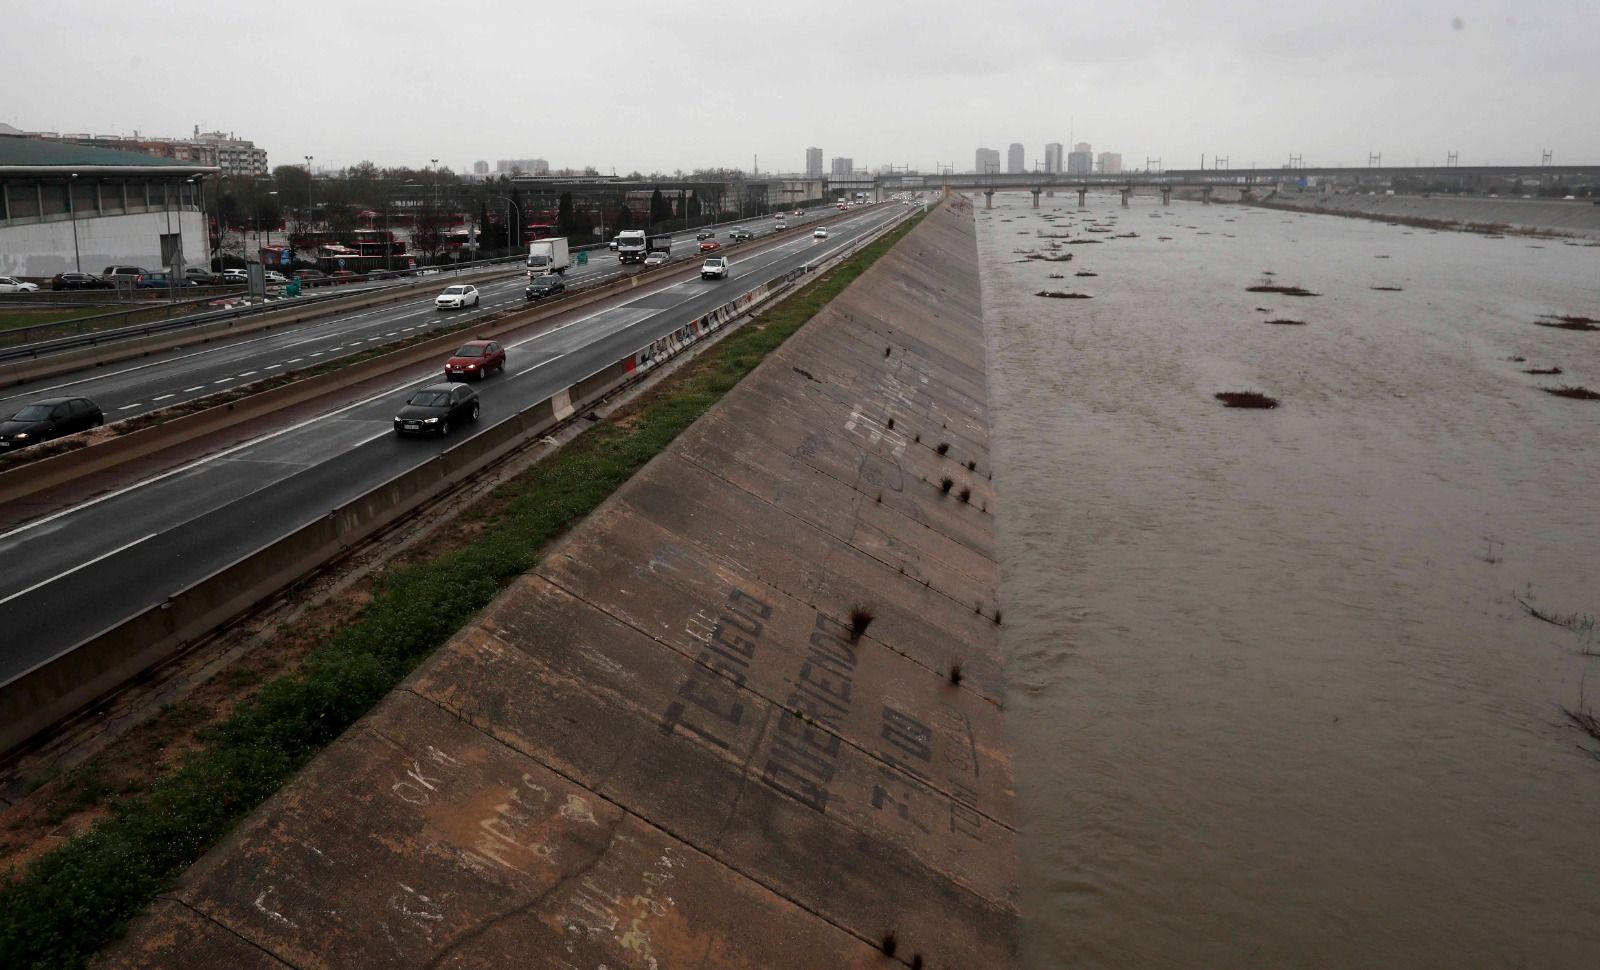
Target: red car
[[710, 246], [475, 360], [344, 276]]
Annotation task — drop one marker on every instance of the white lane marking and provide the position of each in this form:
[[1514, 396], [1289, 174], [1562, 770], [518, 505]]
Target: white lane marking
[[272, 367], [163, 397], [295, 361], [69, 572], [127, 406], [248, 373], [319, 353], [211, 458], [223, 381], [535, 367], [191, 390]]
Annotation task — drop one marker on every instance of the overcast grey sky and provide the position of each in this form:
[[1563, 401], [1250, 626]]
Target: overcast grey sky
[[664, 86]]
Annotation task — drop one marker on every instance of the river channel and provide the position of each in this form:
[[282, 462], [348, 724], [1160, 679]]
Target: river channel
[[1279, 692]]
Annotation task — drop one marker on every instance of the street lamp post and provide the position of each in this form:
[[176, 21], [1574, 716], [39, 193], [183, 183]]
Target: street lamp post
[[72, 207], [310, 218]]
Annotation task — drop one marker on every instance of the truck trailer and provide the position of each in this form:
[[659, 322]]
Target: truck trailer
[[548, 256], [660, 244]]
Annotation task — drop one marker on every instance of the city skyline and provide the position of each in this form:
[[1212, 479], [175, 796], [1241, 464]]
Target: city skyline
[[1118, 71]]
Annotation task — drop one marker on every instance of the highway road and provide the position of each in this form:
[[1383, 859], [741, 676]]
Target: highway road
[[74, 573], [170, 378]]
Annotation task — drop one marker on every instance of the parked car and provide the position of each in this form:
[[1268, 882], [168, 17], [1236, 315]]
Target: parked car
[[456, 297], [311, 277], [433, 409], [344, 276], [126, 275], [715, 268], [740, 235], [10, 284], [50, 418], [710, 246], [705, 234], [821, 232], [236, 276], [655, 259], [79, 281], [273, 276], [475, 360], [200, 276], [159, 281]]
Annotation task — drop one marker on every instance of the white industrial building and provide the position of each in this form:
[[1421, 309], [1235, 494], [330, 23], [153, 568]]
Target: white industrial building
[[76, 208]]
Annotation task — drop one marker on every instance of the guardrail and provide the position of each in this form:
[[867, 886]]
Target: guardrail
[[86, 673]]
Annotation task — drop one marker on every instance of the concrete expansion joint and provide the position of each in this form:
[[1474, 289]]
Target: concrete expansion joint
[[683, 839], [847, 542], [201, 914], [777, 704]]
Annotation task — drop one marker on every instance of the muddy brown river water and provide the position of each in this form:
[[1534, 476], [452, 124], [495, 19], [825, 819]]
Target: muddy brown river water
[[1276, 696]]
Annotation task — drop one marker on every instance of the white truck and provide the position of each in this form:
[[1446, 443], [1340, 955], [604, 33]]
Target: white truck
[[548, 256], [631, 246]]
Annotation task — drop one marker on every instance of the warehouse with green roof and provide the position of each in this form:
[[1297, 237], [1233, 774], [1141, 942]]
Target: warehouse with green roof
[[77, 208]]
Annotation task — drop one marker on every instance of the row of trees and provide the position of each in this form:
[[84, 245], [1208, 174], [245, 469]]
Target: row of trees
[[429, 203]]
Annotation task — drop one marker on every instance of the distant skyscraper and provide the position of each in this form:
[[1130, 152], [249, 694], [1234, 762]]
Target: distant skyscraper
[[527, 166], [1109, 163], [843, 169], [480, 168], [813, 163], [988, 161], [1081, 160], [1052, 157], [1015, 161]]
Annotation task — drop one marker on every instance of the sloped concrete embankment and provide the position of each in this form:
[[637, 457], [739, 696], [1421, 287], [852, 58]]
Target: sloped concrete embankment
[[666, 746], [1573, 218]]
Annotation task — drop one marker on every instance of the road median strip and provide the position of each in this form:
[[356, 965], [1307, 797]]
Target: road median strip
[[71, 901]]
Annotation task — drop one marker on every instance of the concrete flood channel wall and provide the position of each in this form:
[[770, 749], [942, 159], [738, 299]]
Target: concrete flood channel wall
[[665, 746]]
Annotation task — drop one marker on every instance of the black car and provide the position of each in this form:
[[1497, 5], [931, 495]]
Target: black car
[[50, 418], [739, 235], [80, 281], [703, 236], [433, 409], [160, 281], [543, 286]]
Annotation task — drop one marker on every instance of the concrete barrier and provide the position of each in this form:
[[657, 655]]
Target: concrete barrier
[[83, 675]]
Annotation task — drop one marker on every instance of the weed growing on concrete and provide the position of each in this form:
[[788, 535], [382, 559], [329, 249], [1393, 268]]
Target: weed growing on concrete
[[889, 424], [997, 617], [1285, 322], [916, 961], [946, 483], [955, 672], [1543, 371], [1576, 393], [889, 944], [972, 465], [886, 351], [1568, 322], [860, 619], [965, 494], [918, 438], [944, 448]]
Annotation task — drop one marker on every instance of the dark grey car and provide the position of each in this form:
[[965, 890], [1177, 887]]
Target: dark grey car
[[543, 286], [435, 408], [50, 418]]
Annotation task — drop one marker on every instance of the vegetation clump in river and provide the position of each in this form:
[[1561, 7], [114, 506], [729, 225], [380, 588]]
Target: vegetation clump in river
[[1246, 399]]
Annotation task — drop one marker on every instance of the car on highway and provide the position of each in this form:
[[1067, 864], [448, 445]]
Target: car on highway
[[79, 281], [795, 212], [705, 234], [740, 235], [311, 277], [236, 276], [781, 225], [655, 259], [50, 418], [433, 409], [821, 232], [715, 268], [201, 276], [10, 284], [475, 360], [542, 286], [344, 276], [456, 297], [710, 246]]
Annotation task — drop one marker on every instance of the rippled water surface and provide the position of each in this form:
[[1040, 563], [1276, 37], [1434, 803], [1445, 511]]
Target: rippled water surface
[[1276, 698]]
